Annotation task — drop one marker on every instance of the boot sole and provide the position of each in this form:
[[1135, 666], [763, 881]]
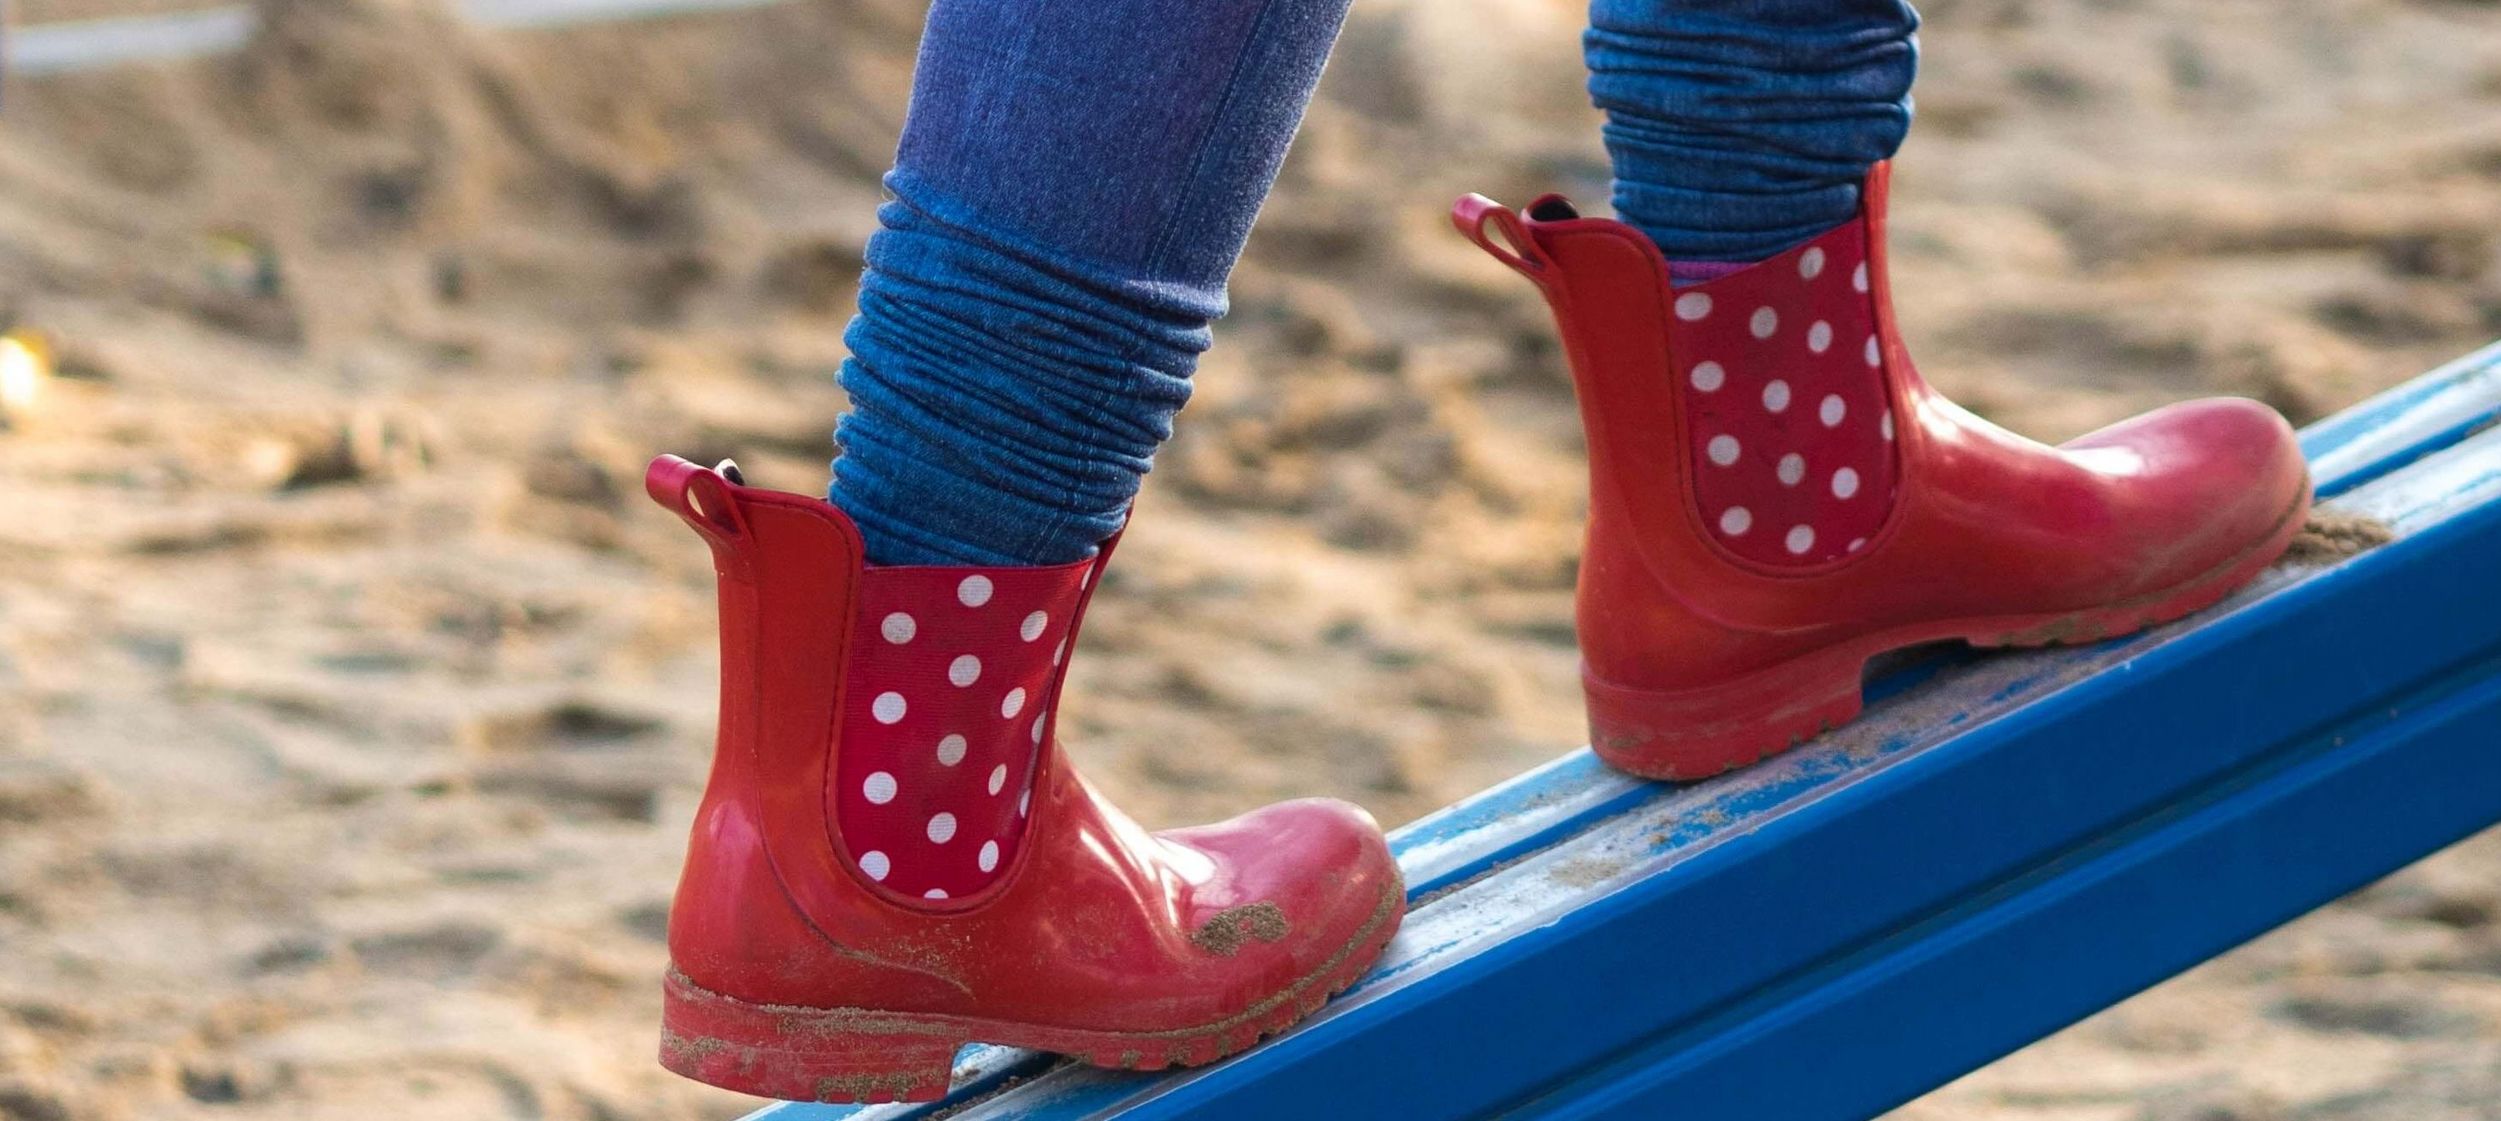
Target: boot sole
[[1683, 735], [866, 1055]]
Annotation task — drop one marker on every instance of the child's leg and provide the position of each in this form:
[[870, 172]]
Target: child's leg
[[890, 840], [1740, 128], [1075, 181]]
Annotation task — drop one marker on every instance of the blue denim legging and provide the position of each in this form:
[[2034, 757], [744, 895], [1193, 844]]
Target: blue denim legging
[[1076, 178]]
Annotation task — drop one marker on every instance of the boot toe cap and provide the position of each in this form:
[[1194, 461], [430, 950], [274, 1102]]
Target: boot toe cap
[[2213, 478], [1302, 882]]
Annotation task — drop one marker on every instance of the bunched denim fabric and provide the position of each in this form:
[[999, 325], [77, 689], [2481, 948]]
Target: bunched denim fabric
[[1741, 128], [1075, 180]]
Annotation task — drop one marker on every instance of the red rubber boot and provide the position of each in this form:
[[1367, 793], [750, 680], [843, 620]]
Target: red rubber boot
[[1776, 496], [892, 858]]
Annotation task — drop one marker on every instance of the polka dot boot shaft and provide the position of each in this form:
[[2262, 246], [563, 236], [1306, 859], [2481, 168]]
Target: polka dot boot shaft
[[946, 718], [1785, 404]]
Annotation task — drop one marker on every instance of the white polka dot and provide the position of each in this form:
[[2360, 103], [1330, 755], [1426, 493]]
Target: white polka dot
[[934, 893], [942, 829], [1032, 627], [951, 749], [1800, 540], [1857, 543], [1832, 410], [1038, 722], [1873, 354], [876, 865], [1858, 278], [1722, 449], [1819, 337], [1059, 651], [1013, 703], [964, 670], [879, 788], [898, 628], [1765, 322], [1735, 520], [1792, 469], [1024, 802], [989, 858], [1811, 263], [1693, 305], [1886, 426], [974, 591], [1844, 483], [887, 708], [1776, 395], [998, 778], [1708, 377]]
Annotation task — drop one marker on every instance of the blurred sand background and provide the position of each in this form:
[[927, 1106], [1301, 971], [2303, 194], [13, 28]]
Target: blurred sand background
[[353, 703]]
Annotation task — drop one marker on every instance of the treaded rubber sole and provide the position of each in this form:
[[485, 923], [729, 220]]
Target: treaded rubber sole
[[1685, 735], [866, 1055]]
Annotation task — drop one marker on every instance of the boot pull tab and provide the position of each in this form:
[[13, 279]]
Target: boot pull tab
[[701, 496], [1515, 247]]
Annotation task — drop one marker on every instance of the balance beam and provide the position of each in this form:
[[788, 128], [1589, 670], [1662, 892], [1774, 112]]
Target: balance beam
[[2002, 845]]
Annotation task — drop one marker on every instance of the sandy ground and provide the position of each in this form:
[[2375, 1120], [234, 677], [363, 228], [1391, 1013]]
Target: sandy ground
[[352, 703]]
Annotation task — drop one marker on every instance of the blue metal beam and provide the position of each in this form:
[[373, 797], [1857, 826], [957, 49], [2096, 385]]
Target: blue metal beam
[[2000, 846]]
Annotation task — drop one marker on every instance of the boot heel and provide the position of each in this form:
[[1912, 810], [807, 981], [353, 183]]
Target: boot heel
[[848, 1055], [1682, 735]]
